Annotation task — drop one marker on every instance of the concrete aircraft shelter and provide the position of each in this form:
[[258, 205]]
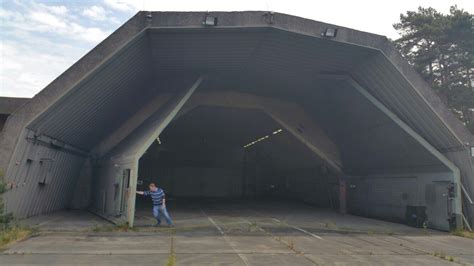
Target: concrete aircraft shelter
[[240, 105]]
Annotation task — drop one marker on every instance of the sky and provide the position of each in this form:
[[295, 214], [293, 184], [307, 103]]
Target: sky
[[41, 39]]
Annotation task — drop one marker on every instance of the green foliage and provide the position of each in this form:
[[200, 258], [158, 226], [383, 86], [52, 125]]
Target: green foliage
[[171, 261], [14, 234], [5, 218], [114, 228], [463, 233], [441, 48], [443, 256], [9, 233]]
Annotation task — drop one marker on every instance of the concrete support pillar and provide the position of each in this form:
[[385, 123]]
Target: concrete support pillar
[[342, 195]]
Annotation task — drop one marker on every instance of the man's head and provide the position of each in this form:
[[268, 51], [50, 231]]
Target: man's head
[[152, 186]]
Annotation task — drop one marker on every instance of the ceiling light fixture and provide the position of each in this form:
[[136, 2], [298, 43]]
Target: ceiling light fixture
[[277, 131], [210, 21], [262, 138], [329, 33]]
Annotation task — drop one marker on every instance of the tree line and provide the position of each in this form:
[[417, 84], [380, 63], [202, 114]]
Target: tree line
[[441, 48]]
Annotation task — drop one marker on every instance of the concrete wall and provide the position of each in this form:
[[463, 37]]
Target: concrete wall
[[82, 194], [387, 196], [288, 114], [204, 172], [44, 179], [3, 120], [314, 187], [224, 173], [307, 185], [110, 196], [203, 182], [8, 105]]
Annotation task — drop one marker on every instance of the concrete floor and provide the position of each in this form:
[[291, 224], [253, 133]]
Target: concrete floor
[[238, 233]]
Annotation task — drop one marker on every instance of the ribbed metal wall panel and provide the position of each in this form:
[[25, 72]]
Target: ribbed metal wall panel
[[97, 106], [381, 78], [28, 197], [90, 111], [300, 55], [261, 60], [369, 141]]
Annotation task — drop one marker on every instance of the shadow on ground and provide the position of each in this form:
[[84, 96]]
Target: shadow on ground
[[236, 233]]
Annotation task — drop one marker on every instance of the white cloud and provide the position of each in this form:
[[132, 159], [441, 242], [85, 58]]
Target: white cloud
[[123, 5], [41, 18], [50, 20], [90, 34], [38, 42], [26, 69], [41, 40], [58, 10], [95, 13]]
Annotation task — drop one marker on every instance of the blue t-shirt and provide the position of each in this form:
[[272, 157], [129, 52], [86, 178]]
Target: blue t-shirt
[[156, 196]]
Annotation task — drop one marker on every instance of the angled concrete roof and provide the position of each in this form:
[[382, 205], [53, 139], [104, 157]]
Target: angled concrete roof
[[9, 105], [264, 53], [399, 78], [271, 54]]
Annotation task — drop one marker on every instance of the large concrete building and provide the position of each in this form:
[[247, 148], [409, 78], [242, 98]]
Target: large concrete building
[[8, 105], [240, 105]]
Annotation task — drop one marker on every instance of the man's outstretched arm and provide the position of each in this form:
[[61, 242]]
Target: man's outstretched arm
[[140, 192]]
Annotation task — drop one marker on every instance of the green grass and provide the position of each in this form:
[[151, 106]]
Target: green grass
[[171, 260], [253, 227], [14, 234], [330, 225], [172, 256], [443, 256], [113, 228], [464, 233]]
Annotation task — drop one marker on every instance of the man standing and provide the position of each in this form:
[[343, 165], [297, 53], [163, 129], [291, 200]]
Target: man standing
[[159, 205]]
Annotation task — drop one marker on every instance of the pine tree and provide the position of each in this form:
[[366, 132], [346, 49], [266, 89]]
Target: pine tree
[[441, 48]]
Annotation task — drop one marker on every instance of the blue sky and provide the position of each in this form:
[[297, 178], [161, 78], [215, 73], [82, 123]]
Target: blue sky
[[40, 39]]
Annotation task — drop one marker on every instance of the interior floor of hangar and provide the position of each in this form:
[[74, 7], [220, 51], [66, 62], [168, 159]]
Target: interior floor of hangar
[[240, 232], [194, 216], [278, 216]]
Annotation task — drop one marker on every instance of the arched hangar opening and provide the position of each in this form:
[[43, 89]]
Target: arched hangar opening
[[236, 112]]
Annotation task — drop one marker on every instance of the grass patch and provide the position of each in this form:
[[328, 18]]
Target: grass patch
[[14, 234], [172, 256], [463, 233], [291, 244], [343, 228], [443, 256], [330, 225], [114, 228], [171, 260], [253, 227]]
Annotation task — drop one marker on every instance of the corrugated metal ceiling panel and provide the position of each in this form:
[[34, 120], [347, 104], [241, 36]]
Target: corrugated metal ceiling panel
[[97, 106], [383, 80], [262, 60]]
